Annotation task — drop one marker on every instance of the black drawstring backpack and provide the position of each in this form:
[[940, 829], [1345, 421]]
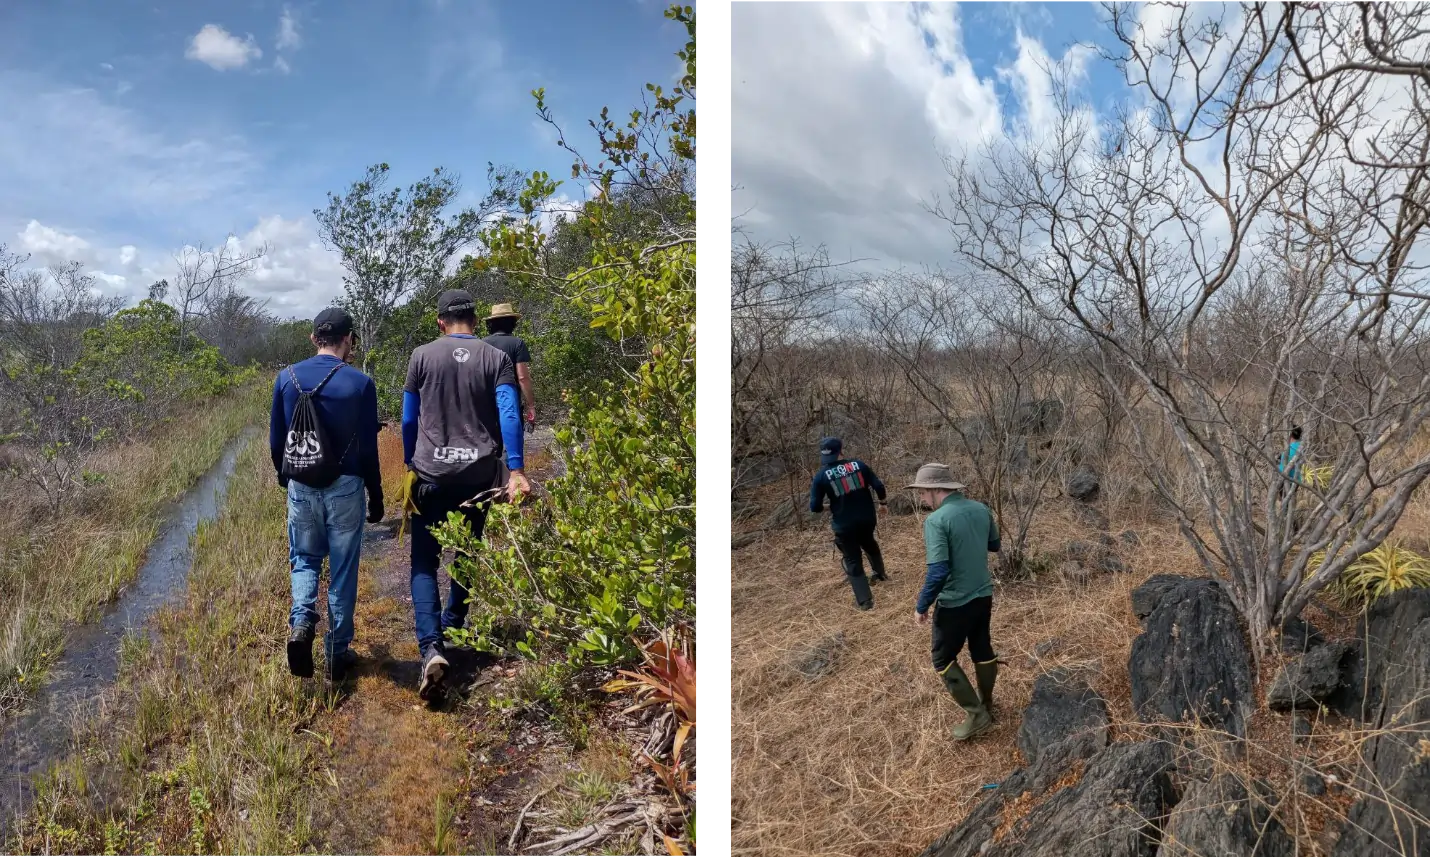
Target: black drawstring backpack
[[308, 456]]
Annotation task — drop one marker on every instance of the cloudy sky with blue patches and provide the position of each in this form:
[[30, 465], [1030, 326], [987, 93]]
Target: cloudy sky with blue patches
[[130, 129], [841, 111]]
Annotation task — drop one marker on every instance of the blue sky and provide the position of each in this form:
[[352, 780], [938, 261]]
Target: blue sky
[[840, 111], [130, 129]]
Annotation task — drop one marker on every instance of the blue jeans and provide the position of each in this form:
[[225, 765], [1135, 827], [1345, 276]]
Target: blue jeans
[[435, 501], [326, 522]]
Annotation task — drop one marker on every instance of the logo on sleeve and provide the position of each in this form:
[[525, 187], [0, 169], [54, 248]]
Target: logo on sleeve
[[461, 355]]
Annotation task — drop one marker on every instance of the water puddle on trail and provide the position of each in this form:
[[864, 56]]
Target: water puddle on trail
[[90, 662]]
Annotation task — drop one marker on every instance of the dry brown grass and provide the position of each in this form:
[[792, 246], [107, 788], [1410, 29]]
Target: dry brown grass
[[389, 456], [860, 762]]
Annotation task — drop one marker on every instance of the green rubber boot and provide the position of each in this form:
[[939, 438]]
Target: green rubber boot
[[987, 675], [977, 721]]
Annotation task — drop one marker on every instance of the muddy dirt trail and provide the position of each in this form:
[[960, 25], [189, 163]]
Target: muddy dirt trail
[[399, 771]]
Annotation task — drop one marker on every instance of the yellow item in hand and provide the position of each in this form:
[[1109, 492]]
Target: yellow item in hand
[[407, 501]]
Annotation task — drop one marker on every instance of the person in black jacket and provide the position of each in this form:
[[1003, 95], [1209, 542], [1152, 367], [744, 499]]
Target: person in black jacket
[[849, 485]]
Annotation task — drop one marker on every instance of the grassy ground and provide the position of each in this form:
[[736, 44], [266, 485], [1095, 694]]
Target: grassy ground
[[208, 745], [859, 761], [101, 538]]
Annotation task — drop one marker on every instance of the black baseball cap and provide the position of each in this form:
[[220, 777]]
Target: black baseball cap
[[333, 321], [455, 300], [829, 449]]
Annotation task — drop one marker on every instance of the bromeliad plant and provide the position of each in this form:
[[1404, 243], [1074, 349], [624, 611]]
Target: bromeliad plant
[[667, 680], [1389, 568], [1319, 477]]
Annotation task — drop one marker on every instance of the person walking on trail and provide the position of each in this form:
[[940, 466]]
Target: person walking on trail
[[1290, 462], [459, 417], [958, 536], [323, 438], [849, 484], [501, 329]]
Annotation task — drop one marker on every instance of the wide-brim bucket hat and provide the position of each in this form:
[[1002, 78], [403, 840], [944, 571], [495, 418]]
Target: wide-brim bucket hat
[[936, 476], [503, 311]]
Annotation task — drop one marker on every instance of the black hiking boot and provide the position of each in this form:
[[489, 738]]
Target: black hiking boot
[[342, 665], [300, 650], [434, 673], [863, 597]]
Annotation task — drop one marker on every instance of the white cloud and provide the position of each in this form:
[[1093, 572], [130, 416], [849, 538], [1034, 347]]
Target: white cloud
[[77, 144], [288, 37], [106, 66], [221, 50], [50, 246], [560, 207], [840, 112], [281, 65], [296, 278]]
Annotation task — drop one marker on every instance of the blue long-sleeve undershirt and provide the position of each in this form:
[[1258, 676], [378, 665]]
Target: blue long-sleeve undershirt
[[938, 573], [508, 410], [411, 410], [933, 582]]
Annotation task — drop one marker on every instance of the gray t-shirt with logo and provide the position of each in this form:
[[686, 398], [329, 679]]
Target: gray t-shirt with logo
[[458, 427]]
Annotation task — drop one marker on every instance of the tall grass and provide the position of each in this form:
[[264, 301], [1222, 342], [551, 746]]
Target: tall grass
[[58, 572], [205, 748]]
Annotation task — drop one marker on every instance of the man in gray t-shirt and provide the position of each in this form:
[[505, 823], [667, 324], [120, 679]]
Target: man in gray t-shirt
[[460, 414], [458, 431]]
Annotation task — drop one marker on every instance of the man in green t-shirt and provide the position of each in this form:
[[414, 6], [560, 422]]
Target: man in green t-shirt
[[958, 536]]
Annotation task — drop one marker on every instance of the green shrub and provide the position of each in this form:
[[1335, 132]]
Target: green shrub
[[133, 370], [612, 554]]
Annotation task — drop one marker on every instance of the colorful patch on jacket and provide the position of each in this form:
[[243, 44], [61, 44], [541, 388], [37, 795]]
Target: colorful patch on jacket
[[845, 478]]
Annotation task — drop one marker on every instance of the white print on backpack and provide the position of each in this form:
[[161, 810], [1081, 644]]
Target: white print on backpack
[[461, 355], [455, 453], [302, 448]]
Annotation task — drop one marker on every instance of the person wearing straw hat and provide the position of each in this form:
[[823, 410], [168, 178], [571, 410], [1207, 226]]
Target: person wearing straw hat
[[501, 330], [958, 536], [847, 483]]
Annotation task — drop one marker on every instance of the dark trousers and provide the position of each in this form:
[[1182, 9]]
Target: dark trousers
[[433, 504], [853, 543], [953, 626]]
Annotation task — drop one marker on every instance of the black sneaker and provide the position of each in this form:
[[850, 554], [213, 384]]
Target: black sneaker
[[300, 650], [434, 671], [343, 664]]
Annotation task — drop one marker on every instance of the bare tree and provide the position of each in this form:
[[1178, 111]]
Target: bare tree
[[235, 322], [43, 317], [1148, 229], [1000, 381], [782, 302], [203, 276], [43, 314]]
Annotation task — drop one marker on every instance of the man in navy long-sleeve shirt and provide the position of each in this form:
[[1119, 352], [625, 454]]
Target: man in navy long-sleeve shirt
[[460, 416], [326, 520], [849, 485]]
